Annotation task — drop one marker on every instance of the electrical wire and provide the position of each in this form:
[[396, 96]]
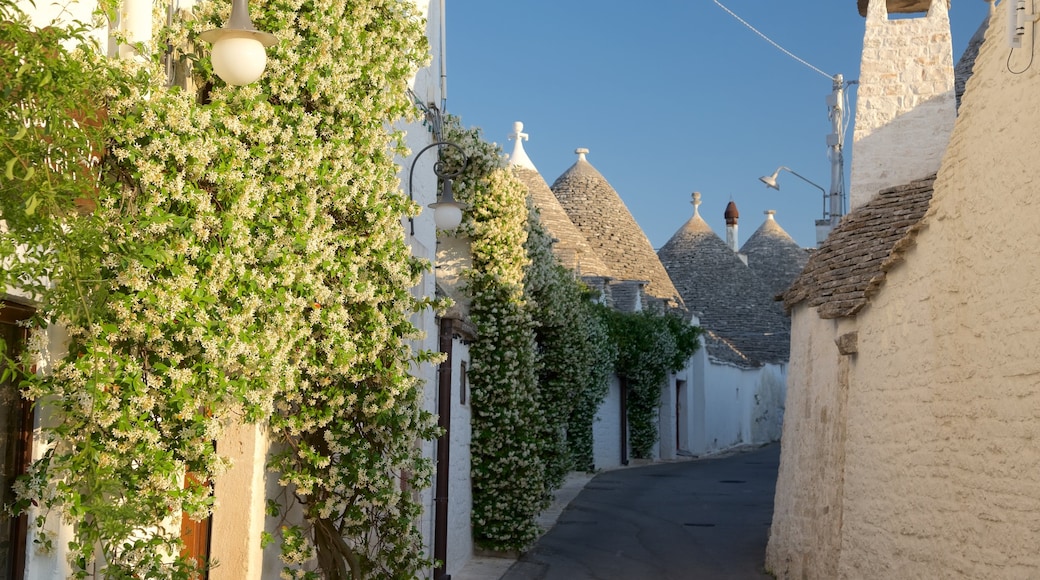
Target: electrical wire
[[770, 41]]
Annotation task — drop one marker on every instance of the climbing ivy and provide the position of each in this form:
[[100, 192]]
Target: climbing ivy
[[227, 256], [650, 345]]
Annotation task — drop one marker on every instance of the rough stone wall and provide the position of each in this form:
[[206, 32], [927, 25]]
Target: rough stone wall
[[804, 541], [938, 461], [945, 412], [905, 102]]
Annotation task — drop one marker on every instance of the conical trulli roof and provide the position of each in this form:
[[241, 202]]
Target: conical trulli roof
[[731, 300], [774, 255], [571, 247], [598, 212]]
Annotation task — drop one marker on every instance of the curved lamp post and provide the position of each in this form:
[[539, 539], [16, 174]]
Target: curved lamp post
[[447, 213], [239, 50], [770, 181]]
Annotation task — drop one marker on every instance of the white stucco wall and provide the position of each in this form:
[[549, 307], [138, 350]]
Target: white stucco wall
[[727, 406], [905, 100], [805, 535], [765, 404], [606, 435], [460, 491], [946, 477]]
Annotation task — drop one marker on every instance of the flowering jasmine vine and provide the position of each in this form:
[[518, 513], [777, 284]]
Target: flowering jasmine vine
[[234, 255], [540, 360]]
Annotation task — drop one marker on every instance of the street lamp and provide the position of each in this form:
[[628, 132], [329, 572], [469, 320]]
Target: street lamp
[[239, 50], [770, 181], [823, 226], [447, 213]]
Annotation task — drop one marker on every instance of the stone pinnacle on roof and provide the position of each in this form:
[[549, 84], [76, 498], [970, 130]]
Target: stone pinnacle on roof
[[570, 247], [519, 157], [599, 213], [774, 255], [734, 303]]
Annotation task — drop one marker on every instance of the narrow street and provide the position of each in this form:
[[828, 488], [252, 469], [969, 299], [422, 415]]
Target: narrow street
[[701, 519]]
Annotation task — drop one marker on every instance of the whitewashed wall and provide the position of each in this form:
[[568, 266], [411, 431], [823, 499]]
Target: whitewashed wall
[[606, 434], [460, 489]]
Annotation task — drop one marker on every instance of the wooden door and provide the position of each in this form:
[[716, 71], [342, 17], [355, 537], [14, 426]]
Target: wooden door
[[16, 416]]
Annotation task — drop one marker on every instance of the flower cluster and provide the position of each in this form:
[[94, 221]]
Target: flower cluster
[[507, 472], [540, 360], [241, 260], [575, 358]]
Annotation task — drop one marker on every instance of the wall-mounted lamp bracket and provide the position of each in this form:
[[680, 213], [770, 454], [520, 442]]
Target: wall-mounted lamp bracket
[[1020, 15], [447, 213]]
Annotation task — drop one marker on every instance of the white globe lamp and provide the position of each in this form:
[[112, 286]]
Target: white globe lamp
[[239, 50]]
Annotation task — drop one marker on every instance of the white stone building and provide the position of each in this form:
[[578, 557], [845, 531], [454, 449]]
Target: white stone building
[[723, 397], [910, 440]]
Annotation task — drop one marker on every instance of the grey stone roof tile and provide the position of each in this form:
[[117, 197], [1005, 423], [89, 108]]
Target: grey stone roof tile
[[850, 267], [774, 256], [731, 300], [962, 72], [600, 214], [572, 249], [722, 351]]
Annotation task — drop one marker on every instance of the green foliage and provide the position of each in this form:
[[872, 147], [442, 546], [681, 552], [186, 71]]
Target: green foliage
[[238, 257], [650, 345], [575, 359], [507, 474], [541, 358]]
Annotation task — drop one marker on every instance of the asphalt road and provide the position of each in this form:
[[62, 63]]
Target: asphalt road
[[701, 519]]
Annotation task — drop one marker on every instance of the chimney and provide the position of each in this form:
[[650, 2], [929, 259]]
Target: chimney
[[905, 103], [732, 215]]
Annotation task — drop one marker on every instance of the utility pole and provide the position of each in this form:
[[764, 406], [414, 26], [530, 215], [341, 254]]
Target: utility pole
[[835, 144]]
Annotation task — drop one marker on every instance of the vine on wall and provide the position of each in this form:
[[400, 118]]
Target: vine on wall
[[508, 477], [650, 345], [239, 258], [540, 360], [575, 358]]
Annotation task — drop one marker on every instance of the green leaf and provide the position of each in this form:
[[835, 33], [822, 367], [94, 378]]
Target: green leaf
[[31, 205]]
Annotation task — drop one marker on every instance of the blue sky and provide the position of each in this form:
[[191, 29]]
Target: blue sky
[[669, 100]]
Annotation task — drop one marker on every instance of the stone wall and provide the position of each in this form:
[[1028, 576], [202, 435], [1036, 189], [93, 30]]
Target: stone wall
[[934, 460], [804, 541], [946, 477], [905, 100]]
